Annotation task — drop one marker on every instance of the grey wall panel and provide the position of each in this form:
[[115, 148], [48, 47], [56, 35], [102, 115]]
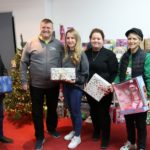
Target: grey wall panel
[[7, 38]]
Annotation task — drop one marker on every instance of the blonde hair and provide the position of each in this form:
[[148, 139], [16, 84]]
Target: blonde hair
[[75, 58]]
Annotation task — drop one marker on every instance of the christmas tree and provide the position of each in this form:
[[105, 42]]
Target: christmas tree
[[18, 102]]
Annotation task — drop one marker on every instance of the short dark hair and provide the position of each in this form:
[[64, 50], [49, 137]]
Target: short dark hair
[[46, 20], [97, 30]]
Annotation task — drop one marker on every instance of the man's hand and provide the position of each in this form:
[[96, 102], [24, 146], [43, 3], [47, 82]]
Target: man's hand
[[70, 81], [25, 86]]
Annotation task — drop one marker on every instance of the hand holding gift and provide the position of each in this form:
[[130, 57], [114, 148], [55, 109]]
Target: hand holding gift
[[97, 87], [69, 81], [106, 90], [61, 96], [109, 90]]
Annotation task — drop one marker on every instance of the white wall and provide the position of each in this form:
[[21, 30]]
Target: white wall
[[113, 16]]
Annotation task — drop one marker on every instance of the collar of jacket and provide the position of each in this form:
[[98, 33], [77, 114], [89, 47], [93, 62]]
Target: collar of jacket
[[45, 41], [134, 54]]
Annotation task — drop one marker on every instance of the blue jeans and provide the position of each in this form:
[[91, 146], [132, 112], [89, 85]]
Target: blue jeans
[[1, 114], [72, 96]]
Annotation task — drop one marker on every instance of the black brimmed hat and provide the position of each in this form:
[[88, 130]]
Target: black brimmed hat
[[136, 31]]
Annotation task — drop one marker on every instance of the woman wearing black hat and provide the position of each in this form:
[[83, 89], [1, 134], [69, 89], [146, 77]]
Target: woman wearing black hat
[[133, 63]]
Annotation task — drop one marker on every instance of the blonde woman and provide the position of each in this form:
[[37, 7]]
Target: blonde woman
[[74, 57]]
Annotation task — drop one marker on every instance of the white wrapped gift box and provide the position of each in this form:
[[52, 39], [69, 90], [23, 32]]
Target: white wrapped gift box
[[59, 74], [96, 87]]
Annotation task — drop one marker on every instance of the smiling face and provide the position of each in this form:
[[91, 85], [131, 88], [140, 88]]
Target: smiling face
[[133, 42], [71, 40], [96, 41], [46, 30]]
